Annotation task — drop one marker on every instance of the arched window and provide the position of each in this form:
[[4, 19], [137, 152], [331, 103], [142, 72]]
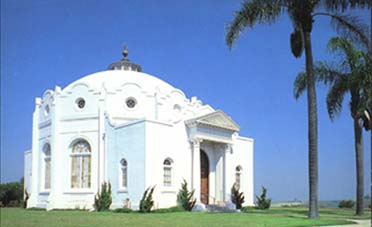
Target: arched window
[[238, 176], [46, 153], [167, 167], [124, 173], [80, 164]]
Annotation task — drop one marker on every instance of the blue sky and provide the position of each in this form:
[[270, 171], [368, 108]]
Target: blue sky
[[54, 42]]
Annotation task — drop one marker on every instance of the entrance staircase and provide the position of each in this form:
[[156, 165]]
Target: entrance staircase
[[220, 209]]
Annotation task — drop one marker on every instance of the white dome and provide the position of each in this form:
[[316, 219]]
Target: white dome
[[113, 79]]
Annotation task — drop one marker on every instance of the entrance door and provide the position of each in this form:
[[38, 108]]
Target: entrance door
[[204, 177]]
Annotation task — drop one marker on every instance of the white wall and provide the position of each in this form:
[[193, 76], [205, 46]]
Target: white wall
[[165, 109]]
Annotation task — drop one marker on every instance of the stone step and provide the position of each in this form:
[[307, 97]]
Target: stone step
[[220, 209]]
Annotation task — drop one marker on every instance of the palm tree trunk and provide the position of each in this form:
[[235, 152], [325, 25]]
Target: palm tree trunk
[[370, 108], [312, 130], [359, 154]]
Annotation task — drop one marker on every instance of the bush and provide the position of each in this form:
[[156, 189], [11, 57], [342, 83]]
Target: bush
[[123, 210], [262, 202], [346, 204], [169, 210], [71, 209], [103, 200], [237, 197], [185, 198], [147, 202], [37, 209], [11, 191], [247, 209]]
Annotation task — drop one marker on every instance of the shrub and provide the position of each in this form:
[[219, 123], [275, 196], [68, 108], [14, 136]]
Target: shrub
[[346, 204], [37, 209], [185, 198], [123, 210], [247, 209], [147, 202], [11, 191], [237, 197], [262, 202], [14, 203], [103, 200], [71, 209], [170, 210]]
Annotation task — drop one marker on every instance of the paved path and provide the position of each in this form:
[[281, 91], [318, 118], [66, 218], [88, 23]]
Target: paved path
[[359, 223]]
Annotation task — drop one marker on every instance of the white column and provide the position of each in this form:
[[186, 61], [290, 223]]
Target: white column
[[32, 202], [56, 152], [101, 140], [196, 168], [224, 175], [226, 187]]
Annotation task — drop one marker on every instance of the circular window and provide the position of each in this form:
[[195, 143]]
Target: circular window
[[177, 109], [131, 103], [80, 102], [46, 110]]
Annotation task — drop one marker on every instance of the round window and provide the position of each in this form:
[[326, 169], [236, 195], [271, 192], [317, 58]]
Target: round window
[[131, 103], [80, 102], [177, 109]]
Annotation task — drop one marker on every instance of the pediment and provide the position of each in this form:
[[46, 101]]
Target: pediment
[[215, 119]]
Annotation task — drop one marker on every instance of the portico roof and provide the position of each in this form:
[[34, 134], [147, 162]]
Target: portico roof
[[215, 119]]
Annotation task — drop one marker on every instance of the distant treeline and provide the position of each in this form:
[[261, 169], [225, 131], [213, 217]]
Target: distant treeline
[[11, 193]]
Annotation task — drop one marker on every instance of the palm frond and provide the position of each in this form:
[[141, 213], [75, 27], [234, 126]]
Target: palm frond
[[251, 13], [299, 85], [337, 5], [335, 96], [351, 27], [324, 73], [353, 58]]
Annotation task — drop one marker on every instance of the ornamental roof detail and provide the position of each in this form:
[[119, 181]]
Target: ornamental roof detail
[[215, 119], [125, 64]]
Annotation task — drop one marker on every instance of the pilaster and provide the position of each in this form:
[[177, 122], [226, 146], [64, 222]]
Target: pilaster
[[32, 202], [196, 168]]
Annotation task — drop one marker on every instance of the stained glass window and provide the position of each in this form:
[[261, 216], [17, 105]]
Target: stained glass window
[[80, 102], [131, 103], [167, 167], [80, 164], [46, 151], [124, 173], [238, 173]]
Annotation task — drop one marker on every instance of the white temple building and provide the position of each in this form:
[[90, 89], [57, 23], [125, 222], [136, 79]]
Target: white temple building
[[133, 130]]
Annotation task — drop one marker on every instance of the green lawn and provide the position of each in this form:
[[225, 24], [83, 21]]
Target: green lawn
[[276, 217]]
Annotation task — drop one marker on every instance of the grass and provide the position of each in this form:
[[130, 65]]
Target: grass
[[334, 213], [277, 217]]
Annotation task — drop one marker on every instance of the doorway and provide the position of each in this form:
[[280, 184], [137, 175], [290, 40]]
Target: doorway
[[204, 177]]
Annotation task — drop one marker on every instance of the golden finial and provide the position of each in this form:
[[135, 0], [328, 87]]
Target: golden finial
[[125, 52]]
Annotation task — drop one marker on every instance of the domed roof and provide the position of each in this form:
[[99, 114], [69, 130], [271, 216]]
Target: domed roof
[[114, 79]]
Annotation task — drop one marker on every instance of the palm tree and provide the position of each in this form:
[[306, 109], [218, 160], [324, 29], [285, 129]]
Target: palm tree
[[348, 76], [302, 14], [351, 28]]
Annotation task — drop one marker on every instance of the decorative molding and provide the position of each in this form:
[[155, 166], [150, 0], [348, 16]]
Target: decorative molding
[[80, 118], [214, 139], [77, 132], [244, 138], [45, 124], [217, 119]]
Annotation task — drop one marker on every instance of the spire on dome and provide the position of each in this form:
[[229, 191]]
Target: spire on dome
[[125, 64]]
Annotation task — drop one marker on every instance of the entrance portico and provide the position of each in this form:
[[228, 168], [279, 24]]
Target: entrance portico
[[211, 137]]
